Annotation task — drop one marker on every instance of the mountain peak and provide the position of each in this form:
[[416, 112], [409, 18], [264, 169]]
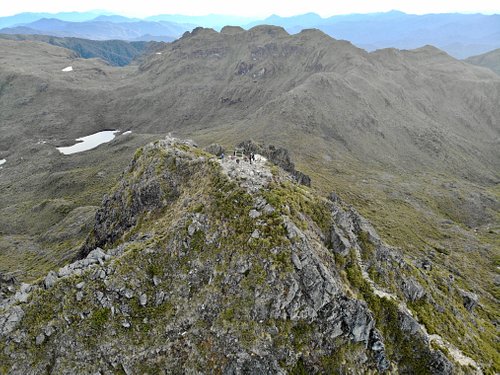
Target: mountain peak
[[231, 30], [269, 30], [204, 258]]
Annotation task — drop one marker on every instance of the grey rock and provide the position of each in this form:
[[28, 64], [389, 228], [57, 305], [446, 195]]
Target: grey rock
[[40, 339], [292, 230], [143, 299], [10, 319], [339, 242], [49, 330], [79, 296], [64, 271], [215, 149], [296, 261], [21, 297], [97, 254], [470, 299], [50, 280], [256, 234], [278, 156], [80, 285], [268, 209], [412, 289], [156, 280], [254, 214], [128, 293]]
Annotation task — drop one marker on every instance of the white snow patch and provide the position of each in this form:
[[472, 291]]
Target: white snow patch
[[89, 142], [127, 132], [158, 53], [3, 161], [68, 69]]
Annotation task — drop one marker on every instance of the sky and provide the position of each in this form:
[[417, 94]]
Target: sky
[[253, 8]]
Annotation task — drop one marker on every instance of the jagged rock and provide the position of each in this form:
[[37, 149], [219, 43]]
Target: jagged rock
[[49, 330], [50, 280], [156, 280], [278, 156], [215, 149], [10, 319], [339, 243], [292, 230], [128, 293], [412, 289], [470, 299]]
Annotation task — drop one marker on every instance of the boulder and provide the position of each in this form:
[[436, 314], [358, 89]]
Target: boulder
[[50, 280], [215, 149], [470, 299]]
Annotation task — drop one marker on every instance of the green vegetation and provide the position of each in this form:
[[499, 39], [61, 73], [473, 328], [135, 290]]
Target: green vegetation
[[410, 352], [99, 318], [115, 52]]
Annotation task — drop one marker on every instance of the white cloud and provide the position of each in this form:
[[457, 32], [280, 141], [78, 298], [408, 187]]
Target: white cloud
[[260, 8]]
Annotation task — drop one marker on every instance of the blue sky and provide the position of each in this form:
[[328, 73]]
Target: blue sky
[[253, 8]]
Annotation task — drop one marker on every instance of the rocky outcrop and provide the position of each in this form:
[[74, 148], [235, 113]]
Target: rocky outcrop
[[147, 194], [215, 149], [278, 156]]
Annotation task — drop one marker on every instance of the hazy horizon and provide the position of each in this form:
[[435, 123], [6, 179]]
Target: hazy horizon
[[259, 9]]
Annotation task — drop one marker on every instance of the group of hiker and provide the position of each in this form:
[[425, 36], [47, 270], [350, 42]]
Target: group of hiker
[[248, 157]]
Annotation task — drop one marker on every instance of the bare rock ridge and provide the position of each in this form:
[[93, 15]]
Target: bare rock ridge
[[193, 267], [279, 156]]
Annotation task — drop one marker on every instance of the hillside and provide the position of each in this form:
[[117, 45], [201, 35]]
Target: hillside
[[489, 60], [408, 138], [224, 267], [115, 52]]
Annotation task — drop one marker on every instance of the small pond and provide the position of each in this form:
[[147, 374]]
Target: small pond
[[89, 142]]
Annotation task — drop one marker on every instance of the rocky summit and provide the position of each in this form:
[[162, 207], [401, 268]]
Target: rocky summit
[[205, 264]]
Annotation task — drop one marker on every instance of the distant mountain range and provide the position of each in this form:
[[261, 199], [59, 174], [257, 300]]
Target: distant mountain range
[[460, 35], [103, 30]]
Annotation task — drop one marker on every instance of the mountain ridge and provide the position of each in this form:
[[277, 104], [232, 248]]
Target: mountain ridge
[[407, 137], [284, 275], [370, 31]]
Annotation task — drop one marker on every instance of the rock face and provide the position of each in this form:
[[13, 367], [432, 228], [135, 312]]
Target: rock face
[[189, 266], [215, 149], [279, 156]]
